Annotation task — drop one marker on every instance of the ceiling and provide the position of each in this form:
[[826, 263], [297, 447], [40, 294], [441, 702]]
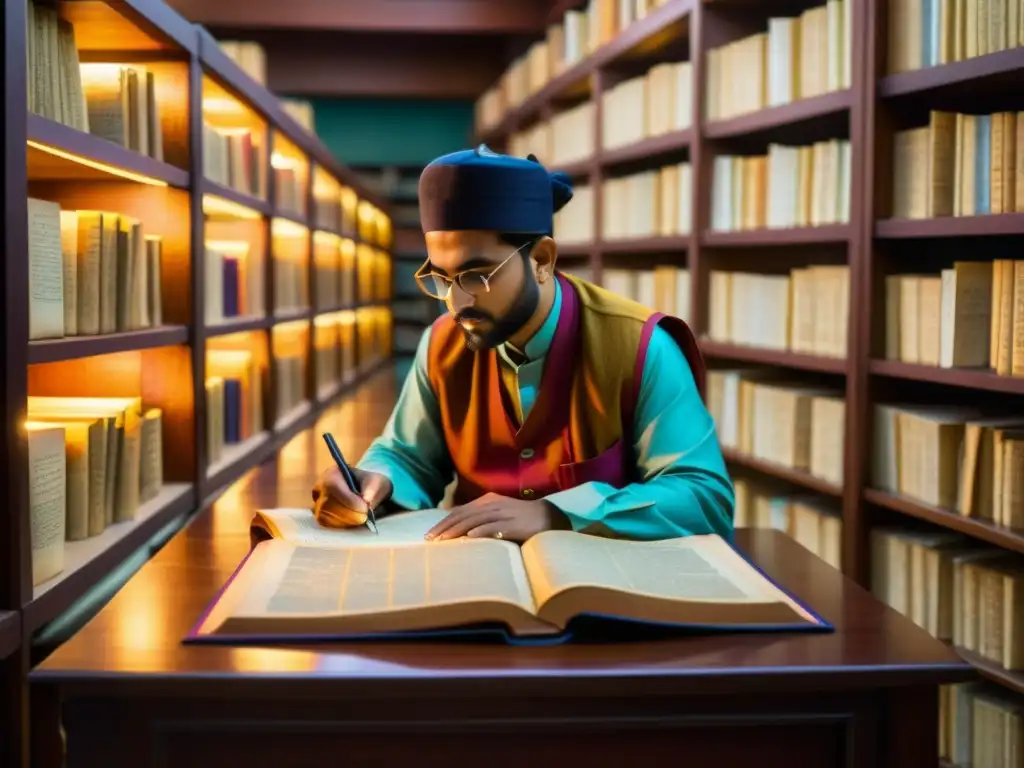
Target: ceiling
[[392, 48]]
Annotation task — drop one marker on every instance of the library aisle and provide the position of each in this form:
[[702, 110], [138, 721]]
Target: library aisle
[[829, 192]]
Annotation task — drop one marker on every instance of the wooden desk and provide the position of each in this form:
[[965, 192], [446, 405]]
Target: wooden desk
[[134, 696]]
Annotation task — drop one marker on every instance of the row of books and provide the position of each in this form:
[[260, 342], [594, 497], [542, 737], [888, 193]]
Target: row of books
[[953, 457], [90, 272], [579, 33], [959, 165], [650, 203], [233, 279], [235, 400], [806, 311], [235, 158], [567, 138], [113, 101], [791, 186], [968, 316], [980, 725], [93, 461], [957, 589], [812, 522], [574, 224], [927, 33], [762, 414], [652, 104], [288, 369], [796, 58], [663, 288], [289, 185]]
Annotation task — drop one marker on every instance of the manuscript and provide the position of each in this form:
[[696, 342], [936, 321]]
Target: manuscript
[[313, 583]]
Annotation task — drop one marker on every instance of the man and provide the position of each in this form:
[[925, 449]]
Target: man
[[553, 403]]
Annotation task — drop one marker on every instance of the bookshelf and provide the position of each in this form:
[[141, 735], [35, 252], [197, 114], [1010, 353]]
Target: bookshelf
[[824, 368], [175, 243]]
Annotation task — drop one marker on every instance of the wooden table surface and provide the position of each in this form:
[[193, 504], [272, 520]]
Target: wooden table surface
[[135, 641]]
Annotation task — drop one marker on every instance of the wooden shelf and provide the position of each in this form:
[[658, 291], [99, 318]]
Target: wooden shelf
[[578, 169], [288, 421], [72, 347], [88, 561], [291, 315], [649, 150], [575, 250], [1007, 538], [1007, 66], [646, 245], [1011, 679], [952, 226], [59, 152], [658, 28], [781, 472], [774, 357], [253, 203], [827, 233], [785, 114], [236, 459], [237, 325], [967, 378], [10, 633]]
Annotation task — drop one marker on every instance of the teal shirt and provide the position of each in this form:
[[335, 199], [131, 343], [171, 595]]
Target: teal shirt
[[684, 489]]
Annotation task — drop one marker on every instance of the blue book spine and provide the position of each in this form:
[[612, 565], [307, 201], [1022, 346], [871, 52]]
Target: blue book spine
[[230, 283], [232, 411], [982, 164]]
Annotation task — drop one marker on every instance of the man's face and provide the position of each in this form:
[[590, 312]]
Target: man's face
[[497, 291]]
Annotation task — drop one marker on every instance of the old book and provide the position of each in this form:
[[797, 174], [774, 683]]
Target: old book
[[45, 271], [314, 583], [47, 499]]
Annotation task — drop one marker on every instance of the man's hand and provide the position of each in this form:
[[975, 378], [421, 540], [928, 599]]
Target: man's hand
[[491, 514], [335, 506]]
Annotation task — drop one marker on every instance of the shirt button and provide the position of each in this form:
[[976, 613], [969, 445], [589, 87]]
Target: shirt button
[[527, 492], [526, 453]]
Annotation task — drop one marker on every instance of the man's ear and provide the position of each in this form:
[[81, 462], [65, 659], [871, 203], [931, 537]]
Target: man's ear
[[544, 255]]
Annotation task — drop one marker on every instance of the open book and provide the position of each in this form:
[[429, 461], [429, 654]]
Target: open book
[[308, 583]]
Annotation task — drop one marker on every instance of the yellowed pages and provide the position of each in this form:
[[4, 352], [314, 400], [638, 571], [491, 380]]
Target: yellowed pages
[[302, 590], [298, 526], [696, 579]]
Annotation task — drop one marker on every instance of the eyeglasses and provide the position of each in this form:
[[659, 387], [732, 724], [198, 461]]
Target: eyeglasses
[[472, 281]]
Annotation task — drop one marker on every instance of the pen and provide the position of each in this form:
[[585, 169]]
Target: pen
[[350, 478]]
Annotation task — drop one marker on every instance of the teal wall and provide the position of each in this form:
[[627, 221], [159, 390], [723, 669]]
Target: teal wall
[[405, 132]]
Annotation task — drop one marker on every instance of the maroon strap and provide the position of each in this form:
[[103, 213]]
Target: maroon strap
[[683, 336]]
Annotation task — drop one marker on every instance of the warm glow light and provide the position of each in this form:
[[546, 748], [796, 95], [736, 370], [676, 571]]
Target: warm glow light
[[223, 105], [228, 357], [327, 239], [347, 317], [287, 228], [218, 205], [229, 247], [279, 160], [112, 170], [367, 211], [291, 326]]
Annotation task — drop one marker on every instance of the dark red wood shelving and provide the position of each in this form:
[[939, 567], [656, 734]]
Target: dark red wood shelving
[[72, 347], [774, 357], [774, 117], [781, 472], [967, 378], [827, 233]]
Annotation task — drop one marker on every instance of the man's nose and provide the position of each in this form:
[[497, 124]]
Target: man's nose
[[458, 299]]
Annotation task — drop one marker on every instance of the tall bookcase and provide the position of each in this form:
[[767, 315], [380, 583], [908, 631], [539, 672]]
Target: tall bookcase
[[897, 78], [309, 318]]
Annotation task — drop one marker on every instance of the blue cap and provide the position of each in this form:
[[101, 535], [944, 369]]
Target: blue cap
[[478, 189]]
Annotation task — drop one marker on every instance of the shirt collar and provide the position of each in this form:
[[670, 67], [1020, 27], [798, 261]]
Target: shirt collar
[[538, 345]]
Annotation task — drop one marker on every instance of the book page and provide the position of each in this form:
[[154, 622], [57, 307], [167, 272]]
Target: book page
[[657, 578], [45, 270], [47, 498], [298, 526], [299, 589]]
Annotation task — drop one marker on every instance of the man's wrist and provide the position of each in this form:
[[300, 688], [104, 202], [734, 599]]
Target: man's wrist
[[557, 519]]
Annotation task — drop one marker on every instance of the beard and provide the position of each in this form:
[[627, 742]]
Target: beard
[[499, 330]]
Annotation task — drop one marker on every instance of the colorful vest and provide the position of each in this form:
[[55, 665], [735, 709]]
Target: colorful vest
[[580, 427]]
